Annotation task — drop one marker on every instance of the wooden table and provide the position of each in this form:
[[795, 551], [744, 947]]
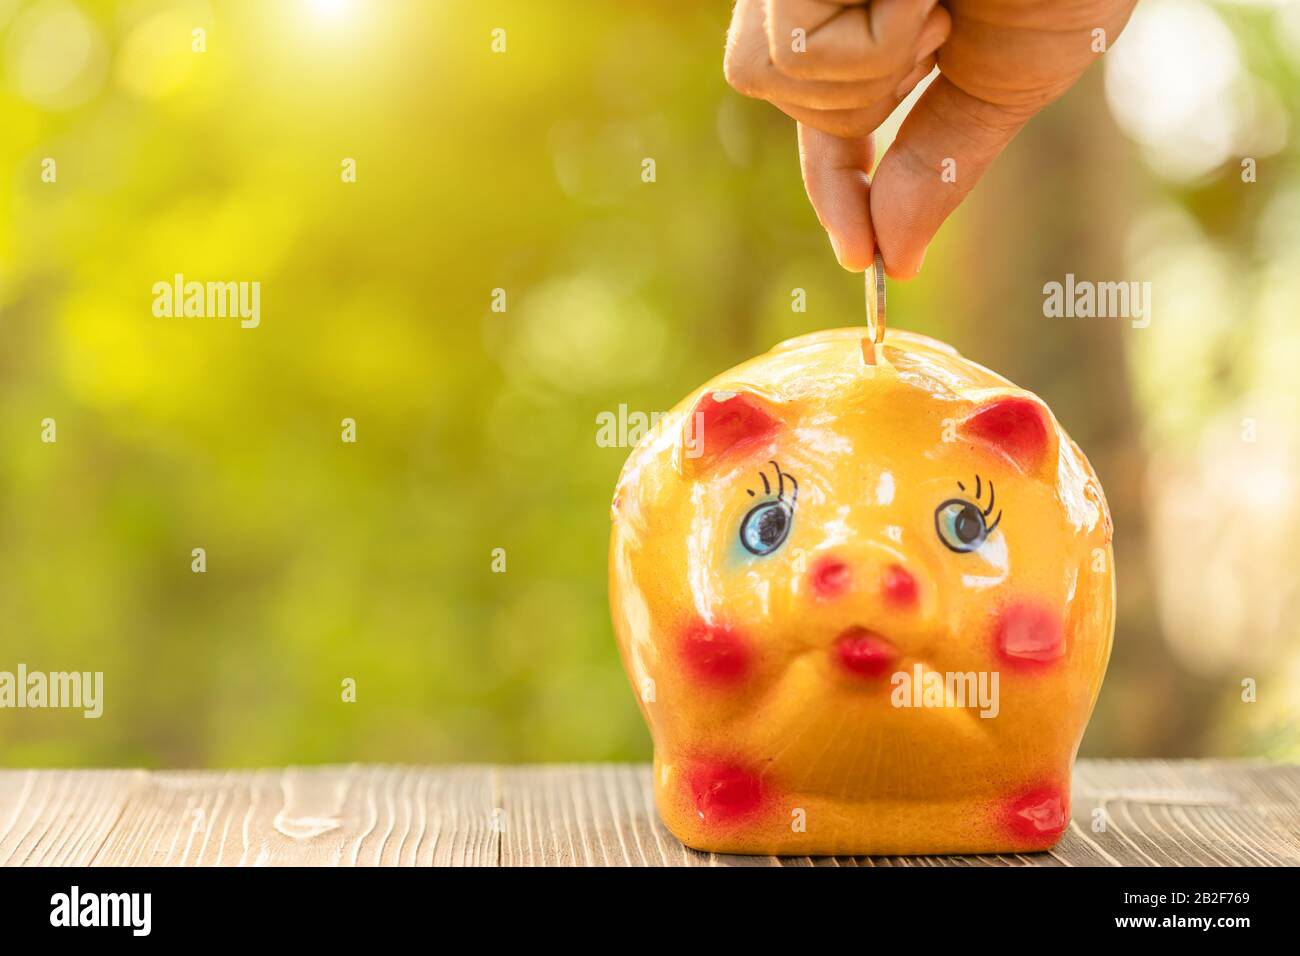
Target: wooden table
[[1158, 813]]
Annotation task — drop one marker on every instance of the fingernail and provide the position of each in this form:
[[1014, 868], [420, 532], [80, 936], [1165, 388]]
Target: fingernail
[[927, 46], [909, 82]]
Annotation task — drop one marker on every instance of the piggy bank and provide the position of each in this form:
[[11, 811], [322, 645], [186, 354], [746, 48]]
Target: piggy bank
[[865, 598]]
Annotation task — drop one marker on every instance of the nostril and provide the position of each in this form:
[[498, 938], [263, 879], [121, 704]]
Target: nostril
[[830, 578], [899, 586]]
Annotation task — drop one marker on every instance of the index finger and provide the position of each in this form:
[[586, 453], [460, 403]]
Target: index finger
[[836, 175]]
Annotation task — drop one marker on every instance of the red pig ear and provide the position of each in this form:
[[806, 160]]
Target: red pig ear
[[1017, 428], [726, 423]]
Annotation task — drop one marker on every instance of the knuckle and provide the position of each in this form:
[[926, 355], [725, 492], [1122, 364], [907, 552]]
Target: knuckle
[[739, 74], [790, 62]]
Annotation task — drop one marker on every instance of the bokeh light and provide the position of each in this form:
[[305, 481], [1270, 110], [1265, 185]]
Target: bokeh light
[[54, 55], [1170, 80]]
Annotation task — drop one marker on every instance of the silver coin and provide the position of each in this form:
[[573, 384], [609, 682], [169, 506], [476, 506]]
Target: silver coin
[[875, 280]]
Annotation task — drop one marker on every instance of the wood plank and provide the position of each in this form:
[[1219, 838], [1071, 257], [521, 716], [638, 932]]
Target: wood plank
[[60, 817], [318, 816], [1125, 813], [592, 815]]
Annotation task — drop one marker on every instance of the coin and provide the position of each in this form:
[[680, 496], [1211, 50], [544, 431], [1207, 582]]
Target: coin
[[875, 277]]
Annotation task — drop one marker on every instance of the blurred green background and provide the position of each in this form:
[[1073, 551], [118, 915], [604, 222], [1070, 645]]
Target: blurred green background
[[476, 429]]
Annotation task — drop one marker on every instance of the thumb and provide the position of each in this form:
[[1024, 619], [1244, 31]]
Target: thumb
[[942, 149]]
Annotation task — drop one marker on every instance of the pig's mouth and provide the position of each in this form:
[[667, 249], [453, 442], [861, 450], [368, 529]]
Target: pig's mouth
[[864, 654]]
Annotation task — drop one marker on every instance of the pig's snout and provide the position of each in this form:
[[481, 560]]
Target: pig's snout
[[837, 575]]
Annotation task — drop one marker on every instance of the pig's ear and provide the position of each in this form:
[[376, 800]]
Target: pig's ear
[[1017, 428], [723, 424]]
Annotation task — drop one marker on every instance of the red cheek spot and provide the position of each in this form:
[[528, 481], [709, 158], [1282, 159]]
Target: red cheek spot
[[830, 578], [1030, 636], [899, 587], [724, 793], [715, 654], [1039, 816]]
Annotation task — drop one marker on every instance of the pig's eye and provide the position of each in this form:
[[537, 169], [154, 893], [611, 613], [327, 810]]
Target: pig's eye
[[767, 524], [960, 525], [766, 527]]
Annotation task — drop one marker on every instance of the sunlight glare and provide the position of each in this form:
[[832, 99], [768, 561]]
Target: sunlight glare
[[329, 9]]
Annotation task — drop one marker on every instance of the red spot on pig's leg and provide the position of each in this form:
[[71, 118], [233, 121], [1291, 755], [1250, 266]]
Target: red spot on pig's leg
[[830, 578], [1029, 636], [715, 654], [1038, 816], [724, 793]]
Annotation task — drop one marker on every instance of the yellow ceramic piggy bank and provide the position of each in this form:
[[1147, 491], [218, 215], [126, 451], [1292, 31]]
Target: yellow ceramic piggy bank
[[865, 598]]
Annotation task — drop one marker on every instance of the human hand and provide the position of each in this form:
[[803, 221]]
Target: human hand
[[840, 67]]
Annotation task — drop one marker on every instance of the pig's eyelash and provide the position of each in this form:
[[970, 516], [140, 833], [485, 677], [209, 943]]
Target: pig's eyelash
[[781, 478], [979, 493], [988, 511]]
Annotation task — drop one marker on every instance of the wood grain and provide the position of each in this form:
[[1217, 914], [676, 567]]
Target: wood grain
[[1125, 813]]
